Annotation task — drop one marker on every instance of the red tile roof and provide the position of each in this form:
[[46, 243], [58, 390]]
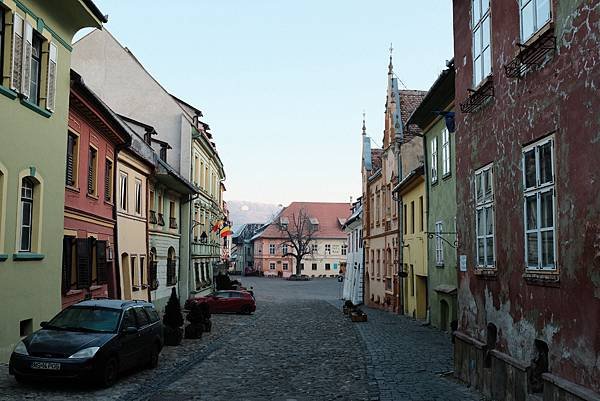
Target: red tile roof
[[328, 215], [409, 101], [376, 159]]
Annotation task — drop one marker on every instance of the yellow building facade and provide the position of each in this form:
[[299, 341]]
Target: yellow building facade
[[414, 243], [132, 176]]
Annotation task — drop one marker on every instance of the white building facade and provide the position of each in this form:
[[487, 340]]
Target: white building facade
[[353, 281]]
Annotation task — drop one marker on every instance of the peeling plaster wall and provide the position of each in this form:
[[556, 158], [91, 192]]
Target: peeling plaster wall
[[560, 98]]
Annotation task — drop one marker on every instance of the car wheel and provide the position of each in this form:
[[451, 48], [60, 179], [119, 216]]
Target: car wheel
[[109, 373], [21, 379], [153, 363], [246, 310]]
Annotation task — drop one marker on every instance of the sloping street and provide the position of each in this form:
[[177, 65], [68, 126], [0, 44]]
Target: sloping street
[[297, 346]]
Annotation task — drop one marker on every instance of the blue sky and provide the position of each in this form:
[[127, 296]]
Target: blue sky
[[283, 84]]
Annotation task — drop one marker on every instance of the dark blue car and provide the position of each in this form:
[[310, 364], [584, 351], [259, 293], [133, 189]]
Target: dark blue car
[[95, 339]]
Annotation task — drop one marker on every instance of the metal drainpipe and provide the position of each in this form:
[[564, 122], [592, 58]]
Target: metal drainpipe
[[148, 288], [190, 199], [400, 232], [116, 256], [426, 221]]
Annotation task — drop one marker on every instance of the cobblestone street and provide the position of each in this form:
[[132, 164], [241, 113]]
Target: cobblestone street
[[297, 346]]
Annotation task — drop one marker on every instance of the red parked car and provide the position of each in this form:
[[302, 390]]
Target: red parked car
[[227, 301]]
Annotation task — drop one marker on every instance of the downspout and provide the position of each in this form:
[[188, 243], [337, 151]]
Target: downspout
[[189, 199], [400, 232], [426, 221], [148, 286], [116, 256]]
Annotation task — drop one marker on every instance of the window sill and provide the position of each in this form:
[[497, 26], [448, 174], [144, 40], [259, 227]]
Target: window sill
[[92, 196], [96, 287], [108, 203], [71, 188], [439, 265], [538, 34], [36, 108], [446, 176], [433, 183], [544, 279], [71, 293], [3, 257], [486, 273], [28, 256], [9, 93]]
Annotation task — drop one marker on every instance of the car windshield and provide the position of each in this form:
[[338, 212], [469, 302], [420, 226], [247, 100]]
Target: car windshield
[[100, 320]]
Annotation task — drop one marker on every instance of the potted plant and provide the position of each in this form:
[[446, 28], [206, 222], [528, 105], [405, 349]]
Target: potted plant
[[173, 320], [348, 307], [357, 315], [199, 319]]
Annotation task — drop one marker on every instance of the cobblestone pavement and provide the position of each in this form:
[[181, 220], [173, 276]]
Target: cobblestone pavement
[[298, 346]]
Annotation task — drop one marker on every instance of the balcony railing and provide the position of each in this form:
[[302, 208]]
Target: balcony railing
[[173, 222], [153, 217], [161, 220], [206, 249]]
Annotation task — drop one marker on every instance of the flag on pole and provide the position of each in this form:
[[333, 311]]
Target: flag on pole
[[217, 226], [226, 230]]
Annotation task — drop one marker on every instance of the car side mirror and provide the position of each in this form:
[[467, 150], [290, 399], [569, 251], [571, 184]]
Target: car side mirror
[[130, 330], [43, 324]]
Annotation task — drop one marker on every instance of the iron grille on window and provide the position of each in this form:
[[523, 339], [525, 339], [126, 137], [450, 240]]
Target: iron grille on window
[[172, 222], [153, 219], [171, 268], [161, 220]]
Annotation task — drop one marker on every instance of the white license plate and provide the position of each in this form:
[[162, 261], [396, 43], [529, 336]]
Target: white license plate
[[45, 365]]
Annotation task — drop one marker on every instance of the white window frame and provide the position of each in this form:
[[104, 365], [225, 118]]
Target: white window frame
[[314, 248], [123, 183], [285, 266], [482, 204], [284, 249], [344, 250], [445, 152], [537, 23], [327, 249], [138, 196], [271, 249], [439, 244], [540, 188], [479, 18], [434, 168], [271, 266], [27, 197]]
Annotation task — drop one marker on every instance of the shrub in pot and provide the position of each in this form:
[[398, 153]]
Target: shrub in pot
[[173, 320], [348, 307], [197, 317]]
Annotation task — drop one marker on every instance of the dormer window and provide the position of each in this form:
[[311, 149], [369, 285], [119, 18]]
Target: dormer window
[[163, 153], [314, 223]]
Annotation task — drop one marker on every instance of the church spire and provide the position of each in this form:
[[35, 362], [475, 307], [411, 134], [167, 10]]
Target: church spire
[[364, 126], [391, 66]]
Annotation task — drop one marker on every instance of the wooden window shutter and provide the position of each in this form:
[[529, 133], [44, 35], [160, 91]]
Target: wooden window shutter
[[70, 160], [101, 271], [51, 89], [26, 66], [107, 179], [66, 264], [17, 53], [84, 273]]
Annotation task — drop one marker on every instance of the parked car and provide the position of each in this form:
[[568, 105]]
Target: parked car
[[95, 339], [227, 301]]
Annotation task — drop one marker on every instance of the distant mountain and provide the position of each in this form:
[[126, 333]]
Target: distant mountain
[[244, 212]]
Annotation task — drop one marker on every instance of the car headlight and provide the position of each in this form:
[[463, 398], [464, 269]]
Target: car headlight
[[85, 353], [21, 349]]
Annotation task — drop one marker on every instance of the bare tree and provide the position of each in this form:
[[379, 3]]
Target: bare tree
[[298, 231]]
